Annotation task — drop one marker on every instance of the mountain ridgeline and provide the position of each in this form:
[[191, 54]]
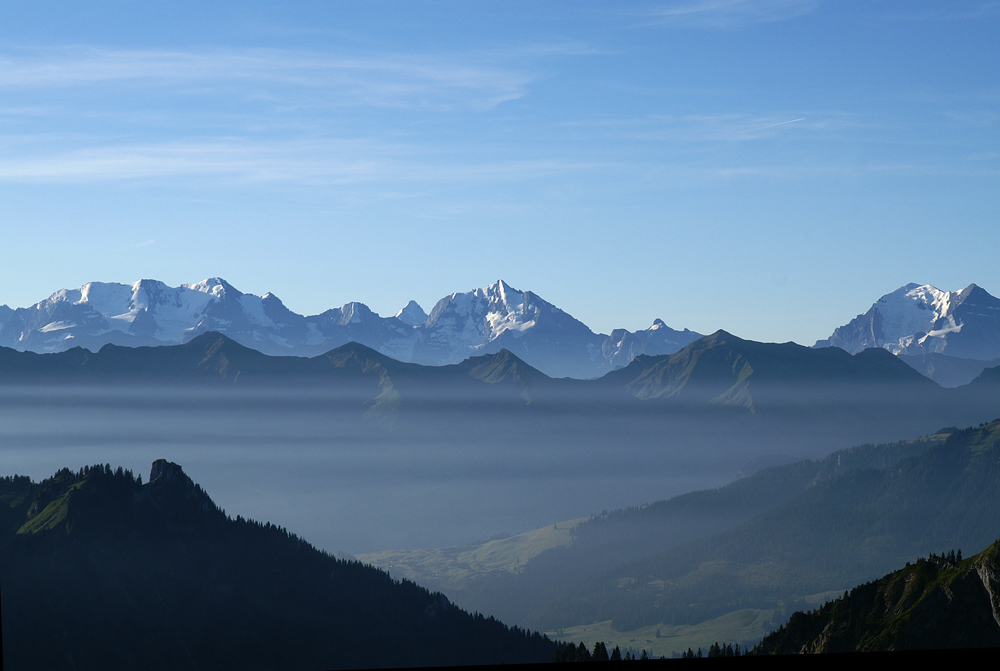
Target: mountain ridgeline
[[527, 590], [462, 325], [761, 543], [948, 336], [102, 571], [738, 399]]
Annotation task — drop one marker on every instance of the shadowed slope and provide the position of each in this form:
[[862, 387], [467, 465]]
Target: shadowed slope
[[103, 572]]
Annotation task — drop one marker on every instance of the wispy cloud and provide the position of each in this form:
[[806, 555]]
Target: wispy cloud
[[975, 118], [315, 162], [387, 80], [728, 127], [955, 10], [732, 14]]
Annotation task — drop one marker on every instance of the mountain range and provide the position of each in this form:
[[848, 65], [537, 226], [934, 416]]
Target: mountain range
[[948, 336], [481, 321], [737, 398], [758, 544]]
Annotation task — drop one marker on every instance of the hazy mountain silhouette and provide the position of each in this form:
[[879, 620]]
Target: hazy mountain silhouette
[[840, 531], [739, 398]]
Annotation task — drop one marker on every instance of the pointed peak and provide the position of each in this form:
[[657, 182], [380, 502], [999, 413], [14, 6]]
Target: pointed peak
[[271, 299], [971, 290], [501, 287], [352, 352], [412, 314], [215, 286], [354, 313], [497, 366], [213, 340]]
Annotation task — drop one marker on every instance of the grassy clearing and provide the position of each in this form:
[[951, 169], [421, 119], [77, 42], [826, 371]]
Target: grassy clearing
[[451, 567], [52, 515], [746, 626], [740, 626]]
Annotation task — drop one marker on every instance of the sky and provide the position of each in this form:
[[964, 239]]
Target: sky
[[769, 167]]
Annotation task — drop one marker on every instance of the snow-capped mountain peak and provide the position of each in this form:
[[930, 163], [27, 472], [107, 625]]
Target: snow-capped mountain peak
[[485, 314], [412, 314], [921, 319], [464, 324], [214, 286], [912, 310]]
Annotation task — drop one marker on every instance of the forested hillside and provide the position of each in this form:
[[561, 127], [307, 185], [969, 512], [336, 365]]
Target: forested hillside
[[844, 530], [938, 602], [101, 571]]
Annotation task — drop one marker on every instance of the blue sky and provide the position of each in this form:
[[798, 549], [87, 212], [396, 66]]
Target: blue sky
[[767, 167]]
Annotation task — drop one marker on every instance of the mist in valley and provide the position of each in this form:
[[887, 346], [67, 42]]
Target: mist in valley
[[432, 468]]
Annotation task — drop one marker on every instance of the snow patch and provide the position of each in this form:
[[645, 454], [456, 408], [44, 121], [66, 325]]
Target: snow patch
[[57, 326], [253, 308]]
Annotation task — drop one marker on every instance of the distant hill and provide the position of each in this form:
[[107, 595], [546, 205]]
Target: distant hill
[[101, 571], [758, 547], [843, 530], [736, 398], [915, 321], [938, 603], [519, 578]]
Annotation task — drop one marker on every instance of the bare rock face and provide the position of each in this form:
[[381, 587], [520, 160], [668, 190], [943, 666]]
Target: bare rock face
[[175, 496], [164, 472]]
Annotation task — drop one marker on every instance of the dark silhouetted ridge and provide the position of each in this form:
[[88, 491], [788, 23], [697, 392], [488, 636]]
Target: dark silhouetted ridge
[[111, 573]]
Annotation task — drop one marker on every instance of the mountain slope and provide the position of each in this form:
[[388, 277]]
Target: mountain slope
[[101, 571], [939, 603], [769, 387], [722, 368], [843, 530], [516, 578]]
